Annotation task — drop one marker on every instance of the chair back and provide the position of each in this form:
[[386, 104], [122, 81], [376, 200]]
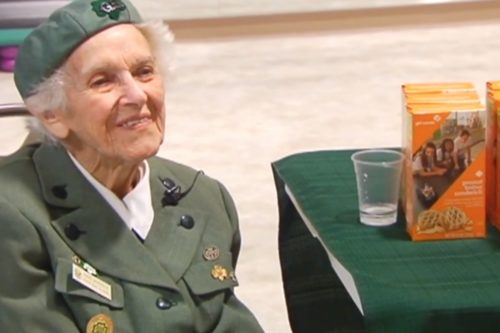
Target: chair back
[[13, 109]]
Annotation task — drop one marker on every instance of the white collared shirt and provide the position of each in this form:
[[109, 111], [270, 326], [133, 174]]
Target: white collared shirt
[[136, 208]]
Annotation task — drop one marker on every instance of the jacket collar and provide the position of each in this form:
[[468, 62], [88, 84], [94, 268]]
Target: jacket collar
[[105, 241]]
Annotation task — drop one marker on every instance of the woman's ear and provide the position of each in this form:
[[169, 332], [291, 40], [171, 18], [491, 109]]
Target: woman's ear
[[54, 124]]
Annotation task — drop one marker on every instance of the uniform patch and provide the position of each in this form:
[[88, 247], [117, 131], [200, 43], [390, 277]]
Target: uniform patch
[[100, 323]]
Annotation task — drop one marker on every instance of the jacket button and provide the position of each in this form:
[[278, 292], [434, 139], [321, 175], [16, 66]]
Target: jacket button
[[163, 304], [72, 232], [187, 221], [60, 191]]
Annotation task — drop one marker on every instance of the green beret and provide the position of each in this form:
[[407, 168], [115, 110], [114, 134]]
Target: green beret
[[47, 47]]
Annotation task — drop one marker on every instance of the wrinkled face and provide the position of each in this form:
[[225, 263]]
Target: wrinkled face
[[115, 99]]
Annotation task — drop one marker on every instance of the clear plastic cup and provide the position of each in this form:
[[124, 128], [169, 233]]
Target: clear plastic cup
[[378, 177]]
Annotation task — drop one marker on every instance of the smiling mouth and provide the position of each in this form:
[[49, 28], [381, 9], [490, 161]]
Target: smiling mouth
[[133, 123]]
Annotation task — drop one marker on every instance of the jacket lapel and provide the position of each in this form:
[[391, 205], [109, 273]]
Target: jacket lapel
[[104, 240], [172, 243]]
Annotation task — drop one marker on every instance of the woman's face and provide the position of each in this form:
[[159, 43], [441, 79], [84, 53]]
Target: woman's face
[[429, 151], [115, 99], [448, 145]]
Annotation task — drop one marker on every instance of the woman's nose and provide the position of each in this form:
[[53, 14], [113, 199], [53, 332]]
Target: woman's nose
[[133, 91]]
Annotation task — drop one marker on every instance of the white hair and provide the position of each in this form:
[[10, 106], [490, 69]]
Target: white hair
[[50, 94]]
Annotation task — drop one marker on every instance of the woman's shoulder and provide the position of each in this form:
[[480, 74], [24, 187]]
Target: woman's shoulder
[[166, 168], [18, 177], [18, 161], [186, 177], [160, 164]]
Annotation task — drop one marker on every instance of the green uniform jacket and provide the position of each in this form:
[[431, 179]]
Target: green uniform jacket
[[163, 284]]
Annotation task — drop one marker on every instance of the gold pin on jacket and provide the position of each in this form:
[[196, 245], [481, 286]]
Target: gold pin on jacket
[[100, 323], [219, 273]]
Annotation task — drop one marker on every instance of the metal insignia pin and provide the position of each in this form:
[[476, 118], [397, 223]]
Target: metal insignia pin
[[219, 273], [211, 253], [100, 323], [112, 8], [77, 260]]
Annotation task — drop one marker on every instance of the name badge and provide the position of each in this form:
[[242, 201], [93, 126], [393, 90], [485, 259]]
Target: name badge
[[92, 282]]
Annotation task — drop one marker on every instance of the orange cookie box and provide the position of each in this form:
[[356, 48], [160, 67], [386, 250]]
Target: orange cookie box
[[444, 185], [492, 151]]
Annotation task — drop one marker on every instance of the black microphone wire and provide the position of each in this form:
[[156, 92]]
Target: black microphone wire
[[173, 193]]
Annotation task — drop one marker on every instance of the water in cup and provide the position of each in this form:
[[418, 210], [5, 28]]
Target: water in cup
[[378, 214]]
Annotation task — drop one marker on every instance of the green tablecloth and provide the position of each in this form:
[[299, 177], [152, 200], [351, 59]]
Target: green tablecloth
[[405, 286]]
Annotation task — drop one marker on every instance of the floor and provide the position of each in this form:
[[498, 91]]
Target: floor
[[236, 105]]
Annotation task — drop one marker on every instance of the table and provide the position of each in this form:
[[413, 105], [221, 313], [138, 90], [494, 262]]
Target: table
[[403, 286]]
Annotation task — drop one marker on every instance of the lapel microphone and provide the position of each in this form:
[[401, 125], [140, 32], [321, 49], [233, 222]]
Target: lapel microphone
[[173, 192]]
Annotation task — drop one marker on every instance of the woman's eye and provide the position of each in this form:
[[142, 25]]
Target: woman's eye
[[100, 82], [145, 72]]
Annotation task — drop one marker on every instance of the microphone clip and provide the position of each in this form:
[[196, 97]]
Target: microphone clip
[[173, 192]]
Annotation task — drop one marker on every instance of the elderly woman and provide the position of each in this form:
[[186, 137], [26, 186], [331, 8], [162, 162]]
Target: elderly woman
[[97, 235]]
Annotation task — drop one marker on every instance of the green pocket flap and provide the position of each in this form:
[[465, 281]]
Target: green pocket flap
[[210, 276]]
